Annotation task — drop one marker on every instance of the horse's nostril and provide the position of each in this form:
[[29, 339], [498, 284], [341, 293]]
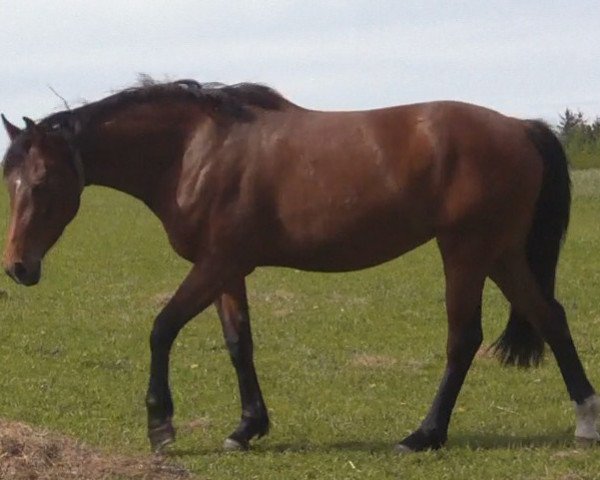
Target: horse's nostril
[[25, 274], [19, 270]]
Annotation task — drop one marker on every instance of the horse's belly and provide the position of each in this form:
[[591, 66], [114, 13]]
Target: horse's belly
[[353, 251]]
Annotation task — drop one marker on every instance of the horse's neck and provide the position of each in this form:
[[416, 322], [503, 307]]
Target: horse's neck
[[132, 159]]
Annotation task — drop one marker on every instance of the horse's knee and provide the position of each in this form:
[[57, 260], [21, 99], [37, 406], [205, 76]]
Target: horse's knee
[[462, 348], [465, 338], [163, 333]]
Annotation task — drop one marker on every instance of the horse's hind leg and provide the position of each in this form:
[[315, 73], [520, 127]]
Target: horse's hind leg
[[514, 277], [465, 278], [232, 307]]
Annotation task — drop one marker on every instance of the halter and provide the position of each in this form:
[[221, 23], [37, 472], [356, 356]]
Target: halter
[[69, 132], [78, 164]]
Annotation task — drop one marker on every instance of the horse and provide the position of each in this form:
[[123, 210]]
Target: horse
[[242, 178]]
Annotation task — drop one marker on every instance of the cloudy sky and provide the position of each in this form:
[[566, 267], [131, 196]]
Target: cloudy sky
[[526, 58]]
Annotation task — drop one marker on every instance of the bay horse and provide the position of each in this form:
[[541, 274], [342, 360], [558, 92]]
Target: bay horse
[[240, 178]]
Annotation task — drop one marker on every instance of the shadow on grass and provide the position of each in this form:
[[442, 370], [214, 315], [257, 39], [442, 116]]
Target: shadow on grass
[[471, 441], [491, 441], [293, 447]]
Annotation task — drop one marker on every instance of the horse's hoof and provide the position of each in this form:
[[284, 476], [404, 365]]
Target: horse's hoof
[[162, 436], [403, 449], [232, 445], [419, 441], [582, 442]]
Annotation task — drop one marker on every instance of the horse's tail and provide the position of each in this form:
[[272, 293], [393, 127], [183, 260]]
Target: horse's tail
[[520, 344]]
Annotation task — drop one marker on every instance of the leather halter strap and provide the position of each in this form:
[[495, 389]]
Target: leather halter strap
[[76, 159]]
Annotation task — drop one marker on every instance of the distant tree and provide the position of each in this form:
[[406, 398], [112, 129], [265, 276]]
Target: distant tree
[[580, 138], [569, 123], [595, 128]]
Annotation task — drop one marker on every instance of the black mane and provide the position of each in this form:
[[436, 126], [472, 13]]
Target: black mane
[[233, 101]]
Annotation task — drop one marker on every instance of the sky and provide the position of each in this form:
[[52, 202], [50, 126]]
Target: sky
[[524, 58]]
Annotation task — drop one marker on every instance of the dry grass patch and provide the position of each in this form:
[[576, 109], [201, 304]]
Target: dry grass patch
[[202, 424], [161, 299], [346, 300], [281, 302], [28, 453], [372, 361], [486, 352]]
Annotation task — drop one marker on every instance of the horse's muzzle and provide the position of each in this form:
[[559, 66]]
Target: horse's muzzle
[[24, 274]]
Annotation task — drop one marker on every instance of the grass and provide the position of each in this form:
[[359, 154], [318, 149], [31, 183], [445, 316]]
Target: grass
[[348, 363], [583, 150]]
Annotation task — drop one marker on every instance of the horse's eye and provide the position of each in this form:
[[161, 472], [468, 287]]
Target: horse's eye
[[38, 189]]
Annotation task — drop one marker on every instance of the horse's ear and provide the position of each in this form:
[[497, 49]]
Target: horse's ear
[[31, 127], [11, 129], [29, 124]]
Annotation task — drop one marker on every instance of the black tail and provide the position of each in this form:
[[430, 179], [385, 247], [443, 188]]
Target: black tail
[[520, 344]]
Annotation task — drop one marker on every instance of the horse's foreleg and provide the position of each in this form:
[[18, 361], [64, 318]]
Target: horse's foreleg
[[196, 292], [463, 304], [232, 307]]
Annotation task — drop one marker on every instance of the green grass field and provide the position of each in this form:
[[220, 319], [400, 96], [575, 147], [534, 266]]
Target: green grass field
[[348, 363]]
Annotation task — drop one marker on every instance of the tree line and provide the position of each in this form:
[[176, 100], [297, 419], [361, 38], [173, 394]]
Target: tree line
[[580, 138]]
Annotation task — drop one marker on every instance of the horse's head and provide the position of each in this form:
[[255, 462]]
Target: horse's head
[[44, 179]]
